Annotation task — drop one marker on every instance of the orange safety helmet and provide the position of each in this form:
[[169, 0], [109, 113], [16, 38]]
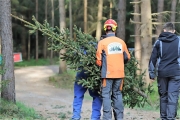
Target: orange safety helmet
[[110, 24]]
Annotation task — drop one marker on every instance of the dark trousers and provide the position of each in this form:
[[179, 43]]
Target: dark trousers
[[168, 88], [111, 92]]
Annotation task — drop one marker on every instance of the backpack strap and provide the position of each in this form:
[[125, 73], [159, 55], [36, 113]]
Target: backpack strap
[[160, 48], [159, 56], [179, 51], [179, 46]]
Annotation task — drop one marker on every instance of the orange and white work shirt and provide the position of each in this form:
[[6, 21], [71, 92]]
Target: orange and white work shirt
[[110, 55]]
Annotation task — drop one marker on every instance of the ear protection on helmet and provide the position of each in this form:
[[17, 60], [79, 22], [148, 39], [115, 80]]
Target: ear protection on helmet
[[110, 24]]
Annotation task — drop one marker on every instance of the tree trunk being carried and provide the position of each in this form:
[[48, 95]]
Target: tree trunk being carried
[[8, 91]]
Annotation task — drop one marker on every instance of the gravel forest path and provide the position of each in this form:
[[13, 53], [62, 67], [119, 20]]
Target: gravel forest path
[[34, 90]]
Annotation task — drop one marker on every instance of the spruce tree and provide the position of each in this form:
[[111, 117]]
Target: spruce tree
[[81, 55]]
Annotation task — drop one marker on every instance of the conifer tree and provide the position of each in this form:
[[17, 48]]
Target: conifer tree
[[81, 55]]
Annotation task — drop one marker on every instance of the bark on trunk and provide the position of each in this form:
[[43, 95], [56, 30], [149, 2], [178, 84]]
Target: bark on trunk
[[23, 41], [29, 46], [70, 17], [62, 67], [85, 16], [45, 37], [37, 41], [121, 19], [52, 24], [137, 32], [110, 5], [99, 18], [159, 17], [8, 91], [146, 39], [173, 10]]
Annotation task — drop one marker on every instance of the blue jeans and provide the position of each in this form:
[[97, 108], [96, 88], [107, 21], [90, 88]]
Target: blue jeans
[[79, 92]]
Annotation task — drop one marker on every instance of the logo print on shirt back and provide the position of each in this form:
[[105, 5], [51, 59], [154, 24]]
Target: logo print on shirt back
[[114, 48]]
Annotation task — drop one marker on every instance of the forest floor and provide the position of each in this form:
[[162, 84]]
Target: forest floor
[[34, 90]]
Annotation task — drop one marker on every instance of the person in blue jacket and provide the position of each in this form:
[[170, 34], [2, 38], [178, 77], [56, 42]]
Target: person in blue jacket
[[79, 92], [166, 58]]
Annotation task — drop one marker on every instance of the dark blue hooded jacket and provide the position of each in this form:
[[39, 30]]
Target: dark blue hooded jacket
[[165, 57]]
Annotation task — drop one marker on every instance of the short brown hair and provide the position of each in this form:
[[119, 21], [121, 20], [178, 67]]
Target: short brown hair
[[169, 26]]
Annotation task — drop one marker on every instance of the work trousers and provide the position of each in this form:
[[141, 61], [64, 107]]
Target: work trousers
[[79, 92], [168, 88], [111, 92]]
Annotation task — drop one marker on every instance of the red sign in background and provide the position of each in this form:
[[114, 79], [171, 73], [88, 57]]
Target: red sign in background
[[17, 57]]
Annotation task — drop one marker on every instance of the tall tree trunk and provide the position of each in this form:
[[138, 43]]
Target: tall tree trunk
[[37, 44], [62, 67], [0, 46], [137, 32], [45, 37], [29, 46], [173, 10], [146, 39], [23, 41], [70, 17], [99, 18], [121, 19], [8, 91], [52, 24], [29, 41], [85, 16], [159, 17], [110, 6]]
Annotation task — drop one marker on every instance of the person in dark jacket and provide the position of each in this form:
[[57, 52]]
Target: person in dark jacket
[[165, 61]]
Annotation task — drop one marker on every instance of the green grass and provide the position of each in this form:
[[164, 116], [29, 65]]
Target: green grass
[[33, 62], [65, 80], [18, 111], [154, 98]]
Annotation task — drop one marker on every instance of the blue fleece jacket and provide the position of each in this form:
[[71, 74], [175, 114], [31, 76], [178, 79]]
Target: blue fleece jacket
[[165, 56]]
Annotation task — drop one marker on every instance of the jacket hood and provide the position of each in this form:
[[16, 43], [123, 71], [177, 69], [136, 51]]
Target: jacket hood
[[167, 37]]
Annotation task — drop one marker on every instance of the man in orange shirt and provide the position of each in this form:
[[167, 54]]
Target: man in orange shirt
[[112, 54]]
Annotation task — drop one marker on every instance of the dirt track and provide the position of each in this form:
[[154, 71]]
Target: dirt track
[[34, 90]]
